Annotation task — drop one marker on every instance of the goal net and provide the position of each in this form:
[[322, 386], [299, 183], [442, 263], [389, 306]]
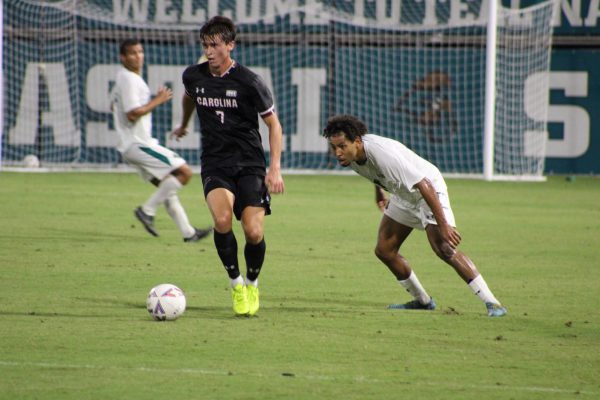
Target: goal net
[[413, 70]]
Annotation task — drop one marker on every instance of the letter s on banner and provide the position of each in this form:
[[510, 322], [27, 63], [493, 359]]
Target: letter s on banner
[[575, 140]]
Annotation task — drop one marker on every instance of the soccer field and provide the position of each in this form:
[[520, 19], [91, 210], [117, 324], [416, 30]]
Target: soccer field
[[76, 268]]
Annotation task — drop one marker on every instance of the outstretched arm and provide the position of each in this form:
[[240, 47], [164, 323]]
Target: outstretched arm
[[274, 180], [188, 109], [448, 233]]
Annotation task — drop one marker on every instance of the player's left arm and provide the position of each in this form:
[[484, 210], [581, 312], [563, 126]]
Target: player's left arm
[[380, 198], [187, 104], [447, 231], [274, 180]]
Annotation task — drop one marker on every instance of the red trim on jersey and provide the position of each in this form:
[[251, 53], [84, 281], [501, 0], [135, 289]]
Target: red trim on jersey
[[267, 112], [226, 72]]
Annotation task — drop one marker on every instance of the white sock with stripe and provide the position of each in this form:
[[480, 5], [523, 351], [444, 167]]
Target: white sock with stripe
[[480, 288], [414, 287]]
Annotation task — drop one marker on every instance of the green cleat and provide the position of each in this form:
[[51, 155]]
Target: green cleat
[[239, 295], [253, 303]]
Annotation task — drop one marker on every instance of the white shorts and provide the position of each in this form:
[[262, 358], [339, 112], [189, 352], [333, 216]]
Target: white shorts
[[419, 216], [152, 161]]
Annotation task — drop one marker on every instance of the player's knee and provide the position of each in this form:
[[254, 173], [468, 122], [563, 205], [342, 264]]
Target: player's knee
[[253, 234], [445, 251], [183, 174], [222, 222], [384, 253]]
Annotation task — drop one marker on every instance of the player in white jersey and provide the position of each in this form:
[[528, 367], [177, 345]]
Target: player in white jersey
[[132, 106], [418, 200]]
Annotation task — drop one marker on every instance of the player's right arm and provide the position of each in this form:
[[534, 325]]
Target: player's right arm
[[274, 180], [187, 104], [449, 233], [163, 95]]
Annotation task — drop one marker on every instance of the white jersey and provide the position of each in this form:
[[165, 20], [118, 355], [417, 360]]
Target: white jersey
[[131, 92], [394, 167]]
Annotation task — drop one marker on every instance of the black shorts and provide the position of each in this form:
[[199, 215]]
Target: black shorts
[[249, 189]]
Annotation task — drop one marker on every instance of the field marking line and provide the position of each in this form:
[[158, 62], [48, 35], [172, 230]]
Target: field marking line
[[357, 379]]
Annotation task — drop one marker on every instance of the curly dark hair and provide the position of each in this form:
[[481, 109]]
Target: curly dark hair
[[219, 26], [349, 125]]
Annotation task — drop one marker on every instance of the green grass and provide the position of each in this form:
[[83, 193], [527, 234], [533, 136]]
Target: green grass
[[76, 268]]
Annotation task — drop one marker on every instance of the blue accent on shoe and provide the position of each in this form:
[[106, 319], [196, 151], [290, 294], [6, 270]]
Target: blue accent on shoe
[[413, 305], [495, 310]]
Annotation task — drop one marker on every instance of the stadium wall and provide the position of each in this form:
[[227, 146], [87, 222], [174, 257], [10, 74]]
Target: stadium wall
[[573, 132]]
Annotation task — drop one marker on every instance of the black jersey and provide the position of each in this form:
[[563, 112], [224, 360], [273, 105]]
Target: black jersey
[[228, 108]]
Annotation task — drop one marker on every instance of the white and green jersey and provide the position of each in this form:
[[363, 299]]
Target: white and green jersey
[[131, 92], [394, 167]]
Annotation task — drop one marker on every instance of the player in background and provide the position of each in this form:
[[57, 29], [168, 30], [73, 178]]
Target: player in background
[[418, 200], [228, 98], [132, 107]]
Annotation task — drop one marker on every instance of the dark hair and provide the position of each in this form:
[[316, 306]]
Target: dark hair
[[218, 26], [125, 44], [348, 125]]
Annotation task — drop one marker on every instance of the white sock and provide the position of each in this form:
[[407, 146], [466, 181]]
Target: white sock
[[480, 288], [237, 281], [178, 215], [167, 188], [414, 287], [253, 283]]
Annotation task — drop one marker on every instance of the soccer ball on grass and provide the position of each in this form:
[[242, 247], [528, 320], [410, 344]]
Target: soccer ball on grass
[[31, 161], [165, 302]]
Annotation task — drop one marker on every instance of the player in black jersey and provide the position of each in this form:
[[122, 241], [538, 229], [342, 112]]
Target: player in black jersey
[[228, 98]]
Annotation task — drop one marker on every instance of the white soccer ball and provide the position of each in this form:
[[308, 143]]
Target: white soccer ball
[[31, 161], [165, 302]]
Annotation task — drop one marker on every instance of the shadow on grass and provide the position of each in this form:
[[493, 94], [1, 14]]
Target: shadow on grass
[[274, 305], [54, 314], [210, 312], [329, 301], [75, 235]]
